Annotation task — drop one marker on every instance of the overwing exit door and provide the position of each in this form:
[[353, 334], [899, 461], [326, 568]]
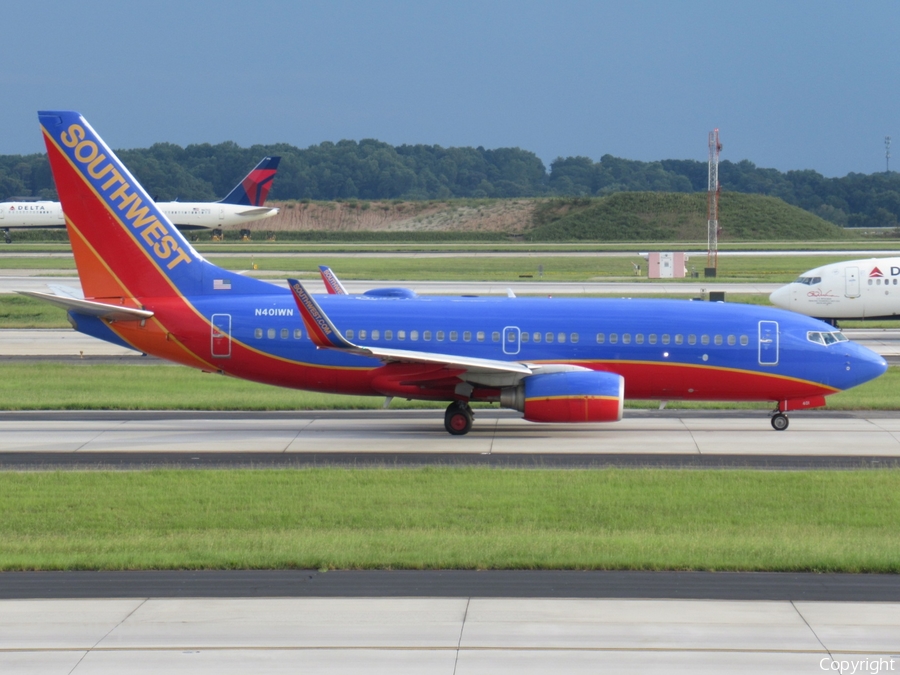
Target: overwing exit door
[[512, 338]]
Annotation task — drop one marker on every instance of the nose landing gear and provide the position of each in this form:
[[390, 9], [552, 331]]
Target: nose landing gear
[[458, 418], [780, 421]]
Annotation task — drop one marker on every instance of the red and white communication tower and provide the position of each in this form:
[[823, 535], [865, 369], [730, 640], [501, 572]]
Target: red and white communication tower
[[712, 205]]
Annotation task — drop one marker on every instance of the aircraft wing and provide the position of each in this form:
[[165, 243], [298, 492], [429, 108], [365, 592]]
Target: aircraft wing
[[449, 360], [324, 335], [91, 308]]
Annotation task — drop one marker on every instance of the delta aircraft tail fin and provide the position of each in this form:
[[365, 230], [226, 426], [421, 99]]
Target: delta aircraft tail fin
[[253, 190]]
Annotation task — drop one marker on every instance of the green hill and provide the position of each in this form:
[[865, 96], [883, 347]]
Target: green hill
[[672, 216]]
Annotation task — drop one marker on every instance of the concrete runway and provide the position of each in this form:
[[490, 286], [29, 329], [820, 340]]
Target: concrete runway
[[458, 636], [418, 436]]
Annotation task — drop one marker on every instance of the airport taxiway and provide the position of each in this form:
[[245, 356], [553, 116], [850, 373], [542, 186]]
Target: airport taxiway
[[418, 436], [459, 636]]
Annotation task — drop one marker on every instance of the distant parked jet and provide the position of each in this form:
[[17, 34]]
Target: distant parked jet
[[854, 289], [245, 203]]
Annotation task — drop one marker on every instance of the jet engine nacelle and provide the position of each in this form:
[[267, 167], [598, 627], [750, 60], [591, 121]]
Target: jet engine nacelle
[[579, 396]]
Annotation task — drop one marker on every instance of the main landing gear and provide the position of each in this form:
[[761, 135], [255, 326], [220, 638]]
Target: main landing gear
[[6, 236], [458, 418], [780, 421]]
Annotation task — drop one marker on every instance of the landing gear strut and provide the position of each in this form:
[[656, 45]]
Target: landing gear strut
[[780, 421], [6, 236], [458, 418]]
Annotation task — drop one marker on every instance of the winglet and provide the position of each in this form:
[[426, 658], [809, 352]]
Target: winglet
[[321, 331], [332, 284]]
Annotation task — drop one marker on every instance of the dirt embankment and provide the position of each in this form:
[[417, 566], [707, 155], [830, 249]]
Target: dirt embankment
[[511, 216]]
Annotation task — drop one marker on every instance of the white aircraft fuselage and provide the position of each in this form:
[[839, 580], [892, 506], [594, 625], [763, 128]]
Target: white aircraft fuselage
[[855, 289], [185, 215]]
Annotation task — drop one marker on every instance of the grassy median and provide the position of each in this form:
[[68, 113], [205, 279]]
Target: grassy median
[[452, 518]]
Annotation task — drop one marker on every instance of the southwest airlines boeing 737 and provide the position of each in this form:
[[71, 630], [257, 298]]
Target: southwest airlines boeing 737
[[555, 360], [244, 204]]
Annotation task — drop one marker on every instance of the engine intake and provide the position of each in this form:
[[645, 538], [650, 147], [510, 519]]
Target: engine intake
[[581, 396]]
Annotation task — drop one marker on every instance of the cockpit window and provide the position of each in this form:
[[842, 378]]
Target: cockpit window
[[808, 281], [826, 338]]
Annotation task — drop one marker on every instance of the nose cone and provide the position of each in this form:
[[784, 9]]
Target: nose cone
[[781, 297], [863, 365]]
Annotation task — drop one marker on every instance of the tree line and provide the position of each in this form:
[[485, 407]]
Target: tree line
[[370, 170]]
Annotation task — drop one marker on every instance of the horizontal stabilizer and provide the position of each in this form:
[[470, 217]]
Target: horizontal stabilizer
[[261, 211], [91, 308]]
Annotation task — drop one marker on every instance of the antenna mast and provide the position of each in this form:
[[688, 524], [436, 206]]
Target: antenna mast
[[712, 205]]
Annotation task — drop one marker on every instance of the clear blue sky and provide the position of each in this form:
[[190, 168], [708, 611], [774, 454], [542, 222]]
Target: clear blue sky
[[804, 84]]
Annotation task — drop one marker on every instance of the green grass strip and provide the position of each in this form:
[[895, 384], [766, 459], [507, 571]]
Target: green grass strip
[[452, 518]]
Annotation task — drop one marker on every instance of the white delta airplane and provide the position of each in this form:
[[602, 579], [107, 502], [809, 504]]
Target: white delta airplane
[[245, 203], [855, 289]]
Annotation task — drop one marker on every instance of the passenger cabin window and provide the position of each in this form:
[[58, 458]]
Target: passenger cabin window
[[495, 336], [257, 333], [467, 336], [692, 339], [454, 336], [601, 338], [362, 335], [626, 338], [745, 340], [348, 333], [679, 339], [639, 339], [375, 335], [388, 335], [718, 339], [549, 337], [537, 337], [561, 337], [613, 338], [413, 335], [732, 340], [401, 334], [665, 338], [525, 337], [270, 333], [440, 336], [480, 336], [704, 339], [299, 333], [284, 333], [426, 335], [651, 338], [573, 338]]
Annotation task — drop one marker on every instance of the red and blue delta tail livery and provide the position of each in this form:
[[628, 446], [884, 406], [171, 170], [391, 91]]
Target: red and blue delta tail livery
[[553, 359], [254, 189]]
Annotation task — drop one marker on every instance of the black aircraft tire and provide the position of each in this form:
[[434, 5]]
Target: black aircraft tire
[[780, 422], [458, 420]]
